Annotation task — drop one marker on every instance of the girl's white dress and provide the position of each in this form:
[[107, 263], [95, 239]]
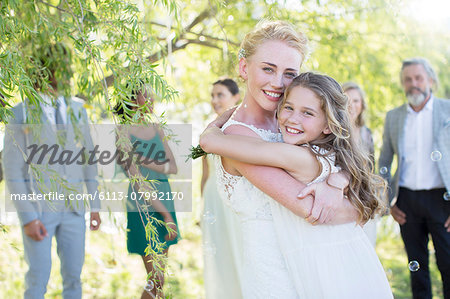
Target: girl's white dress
[[329, 261], [286, 257]]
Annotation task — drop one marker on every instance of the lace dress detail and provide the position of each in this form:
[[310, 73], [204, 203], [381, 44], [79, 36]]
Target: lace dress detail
[[265, 274], [263, 133], [327, 161], [227, 182]]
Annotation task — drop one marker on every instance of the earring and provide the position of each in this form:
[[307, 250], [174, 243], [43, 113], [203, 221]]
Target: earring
[[242, 53]]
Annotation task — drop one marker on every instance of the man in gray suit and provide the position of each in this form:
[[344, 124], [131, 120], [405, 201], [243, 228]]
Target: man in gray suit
[[418, 133], [43, 190]]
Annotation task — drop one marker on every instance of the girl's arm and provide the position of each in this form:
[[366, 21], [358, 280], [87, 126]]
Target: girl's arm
[[292, 158], [283, 188]]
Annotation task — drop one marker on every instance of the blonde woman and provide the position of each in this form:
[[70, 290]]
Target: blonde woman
[[357, 107], [269, 59]]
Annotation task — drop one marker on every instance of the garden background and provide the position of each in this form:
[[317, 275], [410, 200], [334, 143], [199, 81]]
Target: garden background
[[181, 48]]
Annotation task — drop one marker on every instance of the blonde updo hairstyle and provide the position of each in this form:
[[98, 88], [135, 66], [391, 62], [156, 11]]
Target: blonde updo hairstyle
[[273, 31]]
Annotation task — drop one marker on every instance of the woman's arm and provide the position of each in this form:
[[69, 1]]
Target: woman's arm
[[169, 167], [205, 174], [282, 187], [133, 173]]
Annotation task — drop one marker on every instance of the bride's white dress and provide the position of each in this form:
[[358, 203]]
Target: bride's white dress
[[222, 244], [264, 271], [286, 257]]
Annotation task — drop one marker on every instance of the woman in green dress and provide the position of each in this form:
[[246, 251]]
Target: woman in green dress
[[155, 161]]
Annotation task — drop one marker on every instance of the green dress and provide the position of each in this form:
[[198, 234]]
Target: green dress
[[136, 220]]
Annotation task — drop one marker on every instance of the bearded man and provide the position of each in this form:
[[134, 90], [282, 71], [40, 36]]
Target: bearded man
[[418, 133]]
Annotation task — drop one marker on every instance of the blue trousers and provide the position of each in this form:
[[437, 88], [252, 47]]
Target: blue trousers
[[69, 229]]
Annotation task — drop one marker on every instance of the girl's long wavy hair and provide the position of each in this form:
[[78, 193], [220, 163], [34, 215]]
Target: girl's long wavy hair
[[365, 188]]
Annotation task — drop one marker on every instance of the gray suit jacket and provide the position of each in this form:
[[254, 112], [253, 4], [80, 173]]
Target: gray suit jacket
[[63, 178], [393, 139]]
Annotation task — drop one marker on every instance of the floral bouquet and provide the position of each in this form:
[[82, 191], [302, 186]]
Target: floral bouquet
[[196, 152]]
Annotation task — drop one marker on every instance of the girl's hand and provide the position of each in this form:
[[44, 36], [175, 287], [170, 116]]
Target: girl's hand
[[326, 201], [329, 197]]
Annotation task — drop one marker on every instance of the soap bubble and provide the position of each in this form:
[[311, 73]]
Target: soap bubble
[[209, 249], [413, 266], [149, 286], [383, 170], [436, 156], [446, 196], [209, 217]]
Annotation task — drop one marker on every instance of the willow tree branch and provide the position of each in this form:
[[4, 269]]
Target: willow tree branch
[[176, 42]]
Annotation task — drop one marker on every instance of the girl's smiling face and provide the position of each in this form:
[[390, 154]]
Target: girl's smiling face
[[301, 119]]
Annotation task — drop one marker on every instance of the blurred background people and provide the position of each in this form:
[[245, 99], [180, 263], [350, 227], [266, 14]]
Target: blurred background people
[[418, 133], [357, 107], [148, 140], [221, 246], [41, 220]]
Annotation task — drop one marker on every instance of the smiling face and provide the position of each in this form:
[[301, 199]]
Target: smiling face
[[301, 119], [222, 98], [268, 72]]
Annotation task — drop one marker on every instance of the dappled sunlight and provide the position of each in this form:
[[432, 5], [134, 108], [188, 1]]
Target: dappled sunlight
[[433, 11]]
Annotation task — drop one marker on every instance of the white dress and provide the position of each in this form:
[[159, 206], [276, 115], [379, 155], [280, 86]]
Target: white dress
[[329, 261], [222, 244], [265, 274]]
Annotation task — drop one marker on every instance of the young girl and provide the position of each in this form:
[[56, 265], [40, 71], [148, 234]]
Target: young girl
[[326, 261]]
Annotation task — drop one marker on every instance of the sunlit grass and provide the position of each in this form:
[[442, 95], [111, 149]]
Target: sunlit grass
[[391, 252], [110, 272]]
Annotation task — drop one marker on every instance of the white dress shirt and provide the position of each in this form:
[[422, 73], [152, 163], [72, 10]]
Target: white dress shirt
[[418, 170], [50, 111]]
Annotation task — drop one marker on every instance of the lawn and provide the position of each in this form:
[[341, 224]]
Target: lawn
[[109, 272]]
